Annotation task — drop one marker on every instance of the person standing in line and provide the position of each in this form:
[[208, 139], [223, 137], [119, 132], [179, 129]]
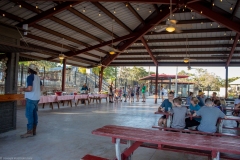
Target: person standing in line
[[162, 92], [189, 98], [128, 92], [137, 93], [120, 94], [32, 95], [111, 93], [132, 94], [143, 93]]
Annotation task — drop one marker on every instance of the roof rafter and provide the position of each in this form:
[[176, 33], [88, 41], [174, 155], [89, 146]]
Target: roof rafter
[[154, 19], [233, 49], [11, 16], [178, 53], [101, 45], [191, 31], [172, 58], [107, 12], [201, 9], [48, 13], [184, 46], [149, 51], [62, 36], [189, 39], [235, 9], [131, 9], [92, 22]]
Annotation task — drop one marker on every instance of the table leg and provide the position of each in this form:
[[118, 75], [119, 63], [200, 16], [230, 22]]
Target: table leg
[[129, 144], [70, 102], [117, 148], [58, 104], [215, 155], [51, 104], [43, 105], [169, 121], [220, 126]]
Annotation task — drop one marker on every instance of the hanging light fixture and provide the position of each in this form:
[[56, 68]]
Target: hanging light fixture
[[36, 6], [114, 11], [61, 56], [20, 6], [231, 8], [126, 4], [138, 7], [99, 14], [70, 5], [112, 52], [84, 10], [170, 29], [186, 60]]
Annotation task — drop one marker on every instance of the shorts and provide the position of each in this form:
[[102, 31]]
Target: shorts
[[132, 94], [162, 93]]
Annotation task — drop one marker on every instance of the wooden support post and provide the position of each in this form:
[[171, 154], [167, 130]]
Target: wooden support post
[[156, 85], [11, 73], [100, 79], [43, 76], [22, 75], [64, 75], [226, 83], [150, 87]]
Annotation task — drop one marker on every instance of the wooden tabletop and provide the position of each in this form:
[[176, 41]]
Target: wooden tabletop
[[202, 142]]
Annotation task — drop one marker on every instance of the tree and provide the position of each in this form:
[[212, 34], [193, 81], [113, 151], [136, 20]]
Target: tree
[[232, 79], [82, 70], [40, 64]]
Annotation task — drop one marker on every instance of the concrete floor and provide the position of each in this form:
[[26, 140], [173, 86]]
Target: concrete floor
[[65, 133]]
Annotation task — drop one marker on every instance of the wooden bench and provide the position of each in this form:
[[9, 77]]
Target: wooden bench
[[91, 157], [212, 146], [194, 132]]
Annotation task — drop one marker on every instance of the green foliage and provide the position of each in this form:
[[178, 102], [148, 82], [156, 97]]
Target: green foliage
[[82, 70], [134, 73], [232, 79], [40, 64]]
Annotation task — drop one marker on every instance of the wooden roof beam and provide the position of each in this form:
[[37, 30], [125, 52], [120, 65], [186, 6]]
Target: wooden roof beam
[[233, 49], [131, 9], [203, 10], [235, 9], [11, 16], [27, 6], [101, 45], [149, 51], [92, 22], [154, 19], [62, 36], [178, 53], [130, 1], [48, 13], [107, 12], [184, 46], [189, 39], [172, 58], [191, 31]]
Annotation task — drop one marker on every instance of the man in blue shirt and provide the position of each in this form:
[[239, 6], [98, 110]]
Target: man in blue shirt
[[209, 115], [164, 107], [32, 95]]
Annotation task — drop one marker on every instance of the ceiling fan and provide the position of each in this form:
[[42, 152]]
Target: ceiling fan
[[99, 65], [187, 58], [171, 24], [113, 50]]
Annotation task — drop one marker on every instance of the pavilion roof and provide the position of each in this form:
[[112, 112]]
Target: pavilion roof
[[163, 77], [83, 31]]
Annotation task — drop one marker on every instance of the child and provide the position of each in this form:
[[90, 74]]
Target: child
[[129, 92], [217, 104], [132, 94], [120, 93], [193, 107], [209, 115], [167, 103], [125, 94], [179, 112]]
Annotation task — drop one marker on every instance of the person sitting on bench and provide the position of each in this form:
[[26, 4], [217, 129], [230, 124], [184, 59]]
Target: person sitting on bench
[[167, 103], [179, 114], [193, 107], [209, 115]]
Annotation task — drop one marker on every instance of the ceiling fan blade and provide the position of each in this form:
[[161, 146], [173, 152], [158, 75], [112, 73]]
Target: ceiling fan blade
[[160, 29], [172, 21], [177, 30], [184, 25]]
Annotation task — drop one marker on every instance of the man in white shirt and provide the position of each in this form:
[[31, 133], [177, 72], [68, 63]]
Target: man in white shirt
[[237, 103], [32, 95]]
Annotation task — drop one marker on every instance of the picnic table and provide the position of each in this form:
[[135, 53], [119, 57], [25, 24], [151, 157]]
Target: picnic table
[[67, 98], [94, 97], [81, 97], [220, 120], [136, 137], [48, 99]]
